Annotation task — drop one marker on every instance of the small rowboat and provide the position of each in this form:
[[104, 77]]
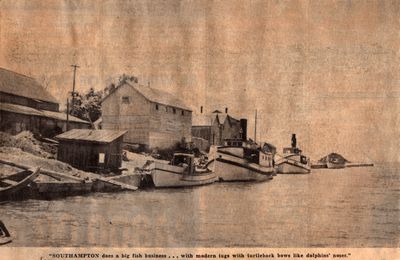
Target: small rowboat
[[12, 184], [5, 236]]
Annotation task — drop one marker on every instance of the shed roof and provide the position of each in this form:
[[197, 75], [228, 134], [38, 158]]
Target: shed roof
[[20, 85], [37, 112], [96, 136]]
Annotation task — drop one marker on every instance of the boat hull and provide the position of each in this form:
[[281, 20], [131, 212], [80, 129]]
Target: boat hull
[[5, 240], [236, 169], [331, 165], [170, 176], [18, 183], [286, 167]]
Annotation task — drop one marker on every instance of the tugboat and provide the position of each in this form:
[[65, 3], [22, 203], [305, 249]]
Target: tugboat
[[181, 172], [241, 160], [293, 161]]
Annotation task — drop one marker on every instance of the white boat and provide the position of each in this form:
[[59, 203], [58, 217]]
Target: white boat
[[293, 161], [181, 172], [239, 160]]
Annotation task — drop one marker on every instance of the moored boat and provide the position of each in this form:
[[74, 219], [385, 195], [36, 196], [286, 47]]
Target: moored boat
[[293, 161], [12, 184], [241, 160], [334, 162], [181, 172]]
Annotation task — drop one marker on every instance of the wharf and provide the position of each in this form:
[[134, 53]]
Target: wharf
[[51, 183], [318, 166], [349, 165]]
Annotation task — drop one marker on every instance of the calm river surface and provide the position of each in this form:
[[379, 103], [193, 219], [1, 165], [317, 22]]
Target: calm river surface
[[354, 207]]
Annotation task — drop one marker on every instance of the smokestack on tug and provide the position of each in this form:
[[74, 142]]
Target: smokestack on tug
[[294, 141], [243, 128]]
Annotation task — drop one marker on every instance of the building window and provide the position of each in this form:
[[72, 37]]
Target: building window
[[102, 157], [174, 110], [125, 100], [183, 113], [156, 106]]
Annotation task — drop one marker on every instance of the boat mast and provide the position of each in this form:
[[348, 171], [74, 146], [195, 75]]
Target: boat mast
[[255, 128]]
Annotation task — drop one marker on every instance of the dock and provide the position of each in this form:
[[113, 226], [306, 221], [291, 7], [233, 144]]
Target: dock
[[59, 183], [321, 165], [350, 165]]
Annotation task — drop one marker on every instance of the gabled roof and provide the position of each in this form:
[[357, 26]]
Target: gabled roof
[[223, 117], [97, 136], [155, 95], [340, 158], [21, 85]]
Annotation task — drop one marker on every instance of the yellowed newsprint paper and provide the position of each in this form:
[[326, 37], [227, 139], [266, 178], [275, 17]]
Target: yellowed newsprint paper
[[199, 129]]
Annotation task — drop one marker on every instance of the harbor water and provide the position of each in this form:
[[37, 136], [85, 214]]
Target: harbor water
[[354, 207]]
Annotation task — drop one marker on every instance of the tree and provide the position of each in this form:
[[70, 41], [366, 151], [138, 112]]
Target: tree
[[87, 106], [124, 78]]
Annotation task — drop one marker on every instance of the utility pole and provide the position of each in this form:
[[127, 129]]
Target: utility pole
[[67, 114], [73, 86]]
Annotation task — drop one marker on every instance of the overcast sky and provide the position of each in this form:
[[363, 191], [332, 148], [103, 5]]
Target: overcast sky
[[326, 70]]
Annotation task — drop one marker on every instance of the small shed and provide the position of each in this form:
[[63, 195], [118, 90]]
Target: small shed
[[91, 150]]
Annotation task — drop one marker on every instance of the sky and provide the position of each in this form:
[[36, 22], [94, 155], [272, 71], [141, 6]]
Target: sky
[[325, 70]]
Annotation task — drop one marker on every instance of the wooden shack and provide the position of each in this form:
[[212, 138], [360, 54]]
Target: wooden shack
[[91, 150]]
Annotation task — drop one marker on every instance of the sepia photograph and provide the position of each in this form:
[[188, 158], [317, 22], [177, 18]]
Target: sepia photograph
[[160, 129]]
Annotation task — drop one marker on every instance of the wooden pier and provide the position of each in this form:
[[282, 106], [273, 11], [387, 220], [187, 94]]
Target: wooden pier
[[64, 184]]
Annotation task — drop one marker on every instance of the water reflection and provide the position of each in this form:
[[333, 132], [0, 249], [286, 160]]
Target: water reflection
[[356, 207]]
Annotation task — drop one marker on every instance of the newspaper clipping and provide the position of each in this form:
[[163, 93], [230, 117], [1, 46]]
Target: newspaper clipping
[[199, 129]]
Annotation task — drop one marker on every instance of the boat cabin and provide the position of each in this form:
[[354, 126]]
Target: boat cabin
[[253, 152], [233, 142], [184, 160], [240, 143], [293, 150]]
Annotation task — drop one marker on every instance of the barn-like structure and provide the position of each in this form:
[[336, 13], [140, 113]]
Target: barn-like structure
[[152, 117], [26, 105]]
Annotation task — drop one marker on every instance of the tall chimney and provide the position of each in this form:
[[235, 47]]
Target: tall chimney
[[243, 128], [201, 110], [294, 141], [226, 110]]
